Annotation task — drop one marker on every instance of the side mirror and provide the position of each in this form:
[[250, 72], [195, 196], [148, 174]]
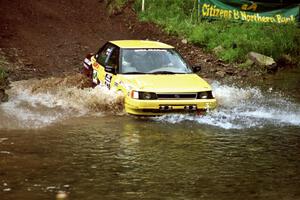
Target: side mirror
[[196, 68], [110, 69]]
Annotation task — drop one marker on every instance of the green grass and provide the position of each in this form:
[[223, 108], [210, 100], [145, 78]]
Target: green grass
[[237, 38], [3, 84], [240, 38], [178, 18], [3, 72], [3, 75]]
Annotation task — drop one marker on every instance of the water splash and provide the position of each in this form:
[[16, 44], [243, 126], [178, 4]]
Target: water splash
[[38, 103], [241, 108]]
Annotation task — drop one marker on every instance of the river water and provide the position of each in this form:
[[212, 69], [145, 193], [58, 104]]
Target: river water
[[55, 137]]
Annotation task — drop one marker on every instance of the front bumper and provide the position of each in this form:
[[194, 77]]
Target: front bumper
[[160, 107]]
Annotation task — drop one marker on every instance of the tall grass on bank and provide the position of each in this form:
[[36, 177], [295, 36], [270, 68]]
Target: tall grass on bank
[[3, 69], [236, 38], [3, 75]]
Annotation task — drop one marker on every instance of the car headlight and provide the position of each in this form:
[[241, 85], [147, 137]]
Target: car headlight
[[205, 95], [143, 95]]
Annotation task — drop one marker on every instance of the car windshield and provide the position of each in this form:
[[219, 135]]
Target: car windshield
[[152, 61]]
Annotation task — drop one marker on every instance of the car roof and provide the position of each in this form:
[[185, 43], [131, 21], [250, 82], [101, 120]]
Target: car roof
[[135, 44]]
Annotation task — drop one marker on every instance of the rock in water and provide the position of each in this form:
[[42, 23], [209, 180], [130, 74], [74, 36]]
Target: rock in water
[[263, 61]]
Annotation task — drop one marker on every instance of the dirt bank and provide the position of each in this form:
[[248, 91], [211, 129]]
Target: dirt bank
[[50, 38], [46, 38]]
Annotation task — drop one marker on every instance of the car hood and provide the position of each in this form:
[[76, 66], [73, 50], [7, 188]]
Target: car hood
[[167, 82]]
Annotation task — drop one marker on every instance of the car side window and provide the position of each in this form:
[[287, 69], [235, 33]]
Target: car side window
[[104, 53], [113, 60]]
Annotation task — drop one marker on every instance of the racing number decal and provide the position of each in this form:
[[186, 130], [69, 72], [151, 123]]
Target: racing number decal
[[95, 78], [108, 78]]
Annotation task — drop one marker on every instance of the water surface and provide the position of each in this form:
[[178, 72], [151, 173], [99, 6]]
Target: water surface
[[79, 141]]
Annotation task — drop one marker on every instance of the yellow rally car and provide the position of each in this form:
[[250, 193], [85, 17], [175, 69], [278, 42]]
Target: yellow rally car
[[153, 77]]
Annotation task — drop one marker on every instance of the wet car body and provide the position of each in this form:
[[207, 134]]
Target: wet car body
[[152, 76]]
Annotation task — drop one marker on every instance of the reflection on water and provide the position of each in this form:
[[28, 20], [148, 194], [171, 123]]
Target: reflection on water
[[128, 158]]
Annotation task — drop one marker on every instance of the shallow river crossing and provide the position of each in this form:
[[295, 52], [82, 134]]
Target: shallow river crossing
[[54, 137]]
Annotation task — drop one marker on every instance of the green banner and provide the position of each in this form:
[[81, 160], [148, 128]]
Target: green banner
[[250, 11]]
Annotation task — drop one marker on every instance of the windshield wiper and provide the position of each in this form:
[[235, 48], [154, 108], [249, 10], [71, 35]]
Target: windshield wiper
[[166, 72], [134, 73]]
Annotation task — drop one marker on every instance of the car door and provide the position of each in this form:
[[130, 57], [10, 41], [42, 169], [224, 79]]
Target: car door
[[112, 67], [105, 65], [98, 63]]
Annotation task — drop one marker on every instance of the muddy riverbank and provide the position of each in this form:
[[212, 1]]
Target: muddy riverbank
[[44, 39]]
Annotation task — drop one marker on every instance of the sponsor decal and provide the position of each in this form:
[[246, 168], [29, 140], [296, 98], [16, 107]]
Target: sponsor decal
[[250, 11], [95, 65], [108, 78], [95, 77]]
